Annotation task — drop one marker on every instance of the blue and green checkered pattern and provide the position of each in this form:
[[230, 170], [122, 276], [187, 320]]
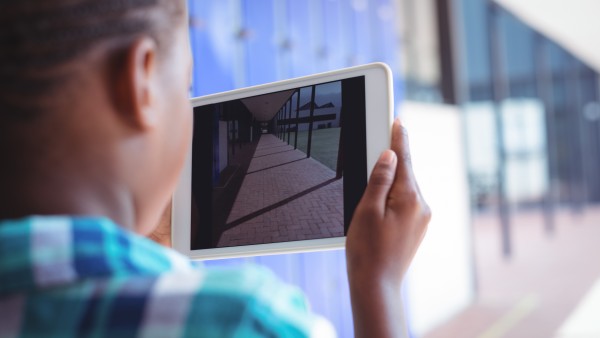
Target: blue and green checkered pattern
[[87, 277]]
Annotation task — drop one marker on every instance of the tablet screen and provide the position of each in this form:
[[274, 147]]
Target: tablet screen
[[279, 167]]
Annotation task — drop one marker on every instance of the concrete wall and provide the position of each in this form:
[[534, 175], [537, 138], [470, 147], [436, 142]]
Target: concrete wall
[[440, 281]]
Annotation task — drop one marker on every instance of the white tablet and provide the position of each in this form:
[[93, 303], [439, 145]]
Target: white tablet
[[280, 167]]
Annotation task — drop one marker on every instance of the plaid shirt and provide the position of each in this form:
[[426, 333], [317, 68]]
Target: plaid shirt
[[62, 276]]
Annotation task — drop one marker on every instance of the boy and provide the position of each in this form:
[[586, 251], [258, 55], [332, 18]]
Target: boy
[[94, 126]]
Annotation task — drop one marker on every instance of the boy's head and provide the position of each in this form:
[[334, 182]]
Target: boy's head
[[94, 113]]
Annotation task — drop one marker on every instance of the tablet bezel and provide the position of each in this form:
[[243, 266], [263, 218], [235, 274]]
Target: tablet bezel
[[378, 98]]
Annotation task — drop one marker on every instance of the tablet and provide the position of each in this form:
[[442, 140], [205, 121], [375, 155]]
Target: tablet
[[280, 168]]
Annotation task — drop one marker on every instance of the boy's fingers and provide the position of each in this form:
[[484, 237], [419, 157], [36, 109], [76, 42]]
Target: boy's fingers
[[380, 182], [400, 145]]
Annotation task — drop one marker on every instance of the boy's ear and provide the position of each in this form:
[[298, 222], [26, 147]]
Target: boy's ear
[[137, 84]]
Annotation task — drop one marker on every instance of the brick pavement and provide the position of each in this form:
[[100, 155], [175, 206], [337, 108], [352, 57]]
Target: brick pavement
[[285, 196]]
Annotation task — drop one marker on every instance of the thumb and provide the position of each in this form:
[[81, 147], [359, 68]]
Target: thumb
[[380, 183]]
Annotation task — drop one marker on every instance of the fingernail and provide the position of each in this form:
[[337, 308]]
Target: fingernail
[[388, 157]]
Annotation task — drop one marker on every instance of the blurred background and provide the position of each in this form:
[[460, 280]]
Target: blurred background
[[502, 103]]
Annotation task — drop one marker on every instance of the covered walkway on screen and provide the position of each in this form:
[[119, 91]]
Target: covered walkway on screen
[[279, 164], [286, 183], [285, 196]]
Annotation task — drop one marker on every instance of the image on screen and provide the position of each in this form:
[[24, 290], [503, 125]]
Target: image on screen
[[284, 166]]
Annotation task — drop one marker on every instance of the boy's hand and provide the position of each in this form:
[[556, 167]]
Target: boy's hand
[[387, 228], [162, 233]]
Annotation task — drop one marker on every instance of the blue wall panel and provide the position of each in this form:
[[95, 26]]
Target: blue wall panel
[[214, 41], [261, 48], [363, 41], [302, 44], [333, 44]]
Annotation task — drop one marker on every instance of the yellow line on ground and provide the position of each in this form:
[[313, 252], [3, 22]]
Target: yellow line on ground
[[503, 325]]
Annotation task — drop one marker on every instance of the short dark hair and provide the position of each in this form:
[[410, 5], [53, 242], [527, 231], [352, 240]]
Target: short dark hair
[[36, 36]]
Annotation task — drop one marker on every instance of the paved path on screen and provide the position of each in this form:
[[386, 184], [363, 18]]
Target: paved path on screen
[[285, 196]]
